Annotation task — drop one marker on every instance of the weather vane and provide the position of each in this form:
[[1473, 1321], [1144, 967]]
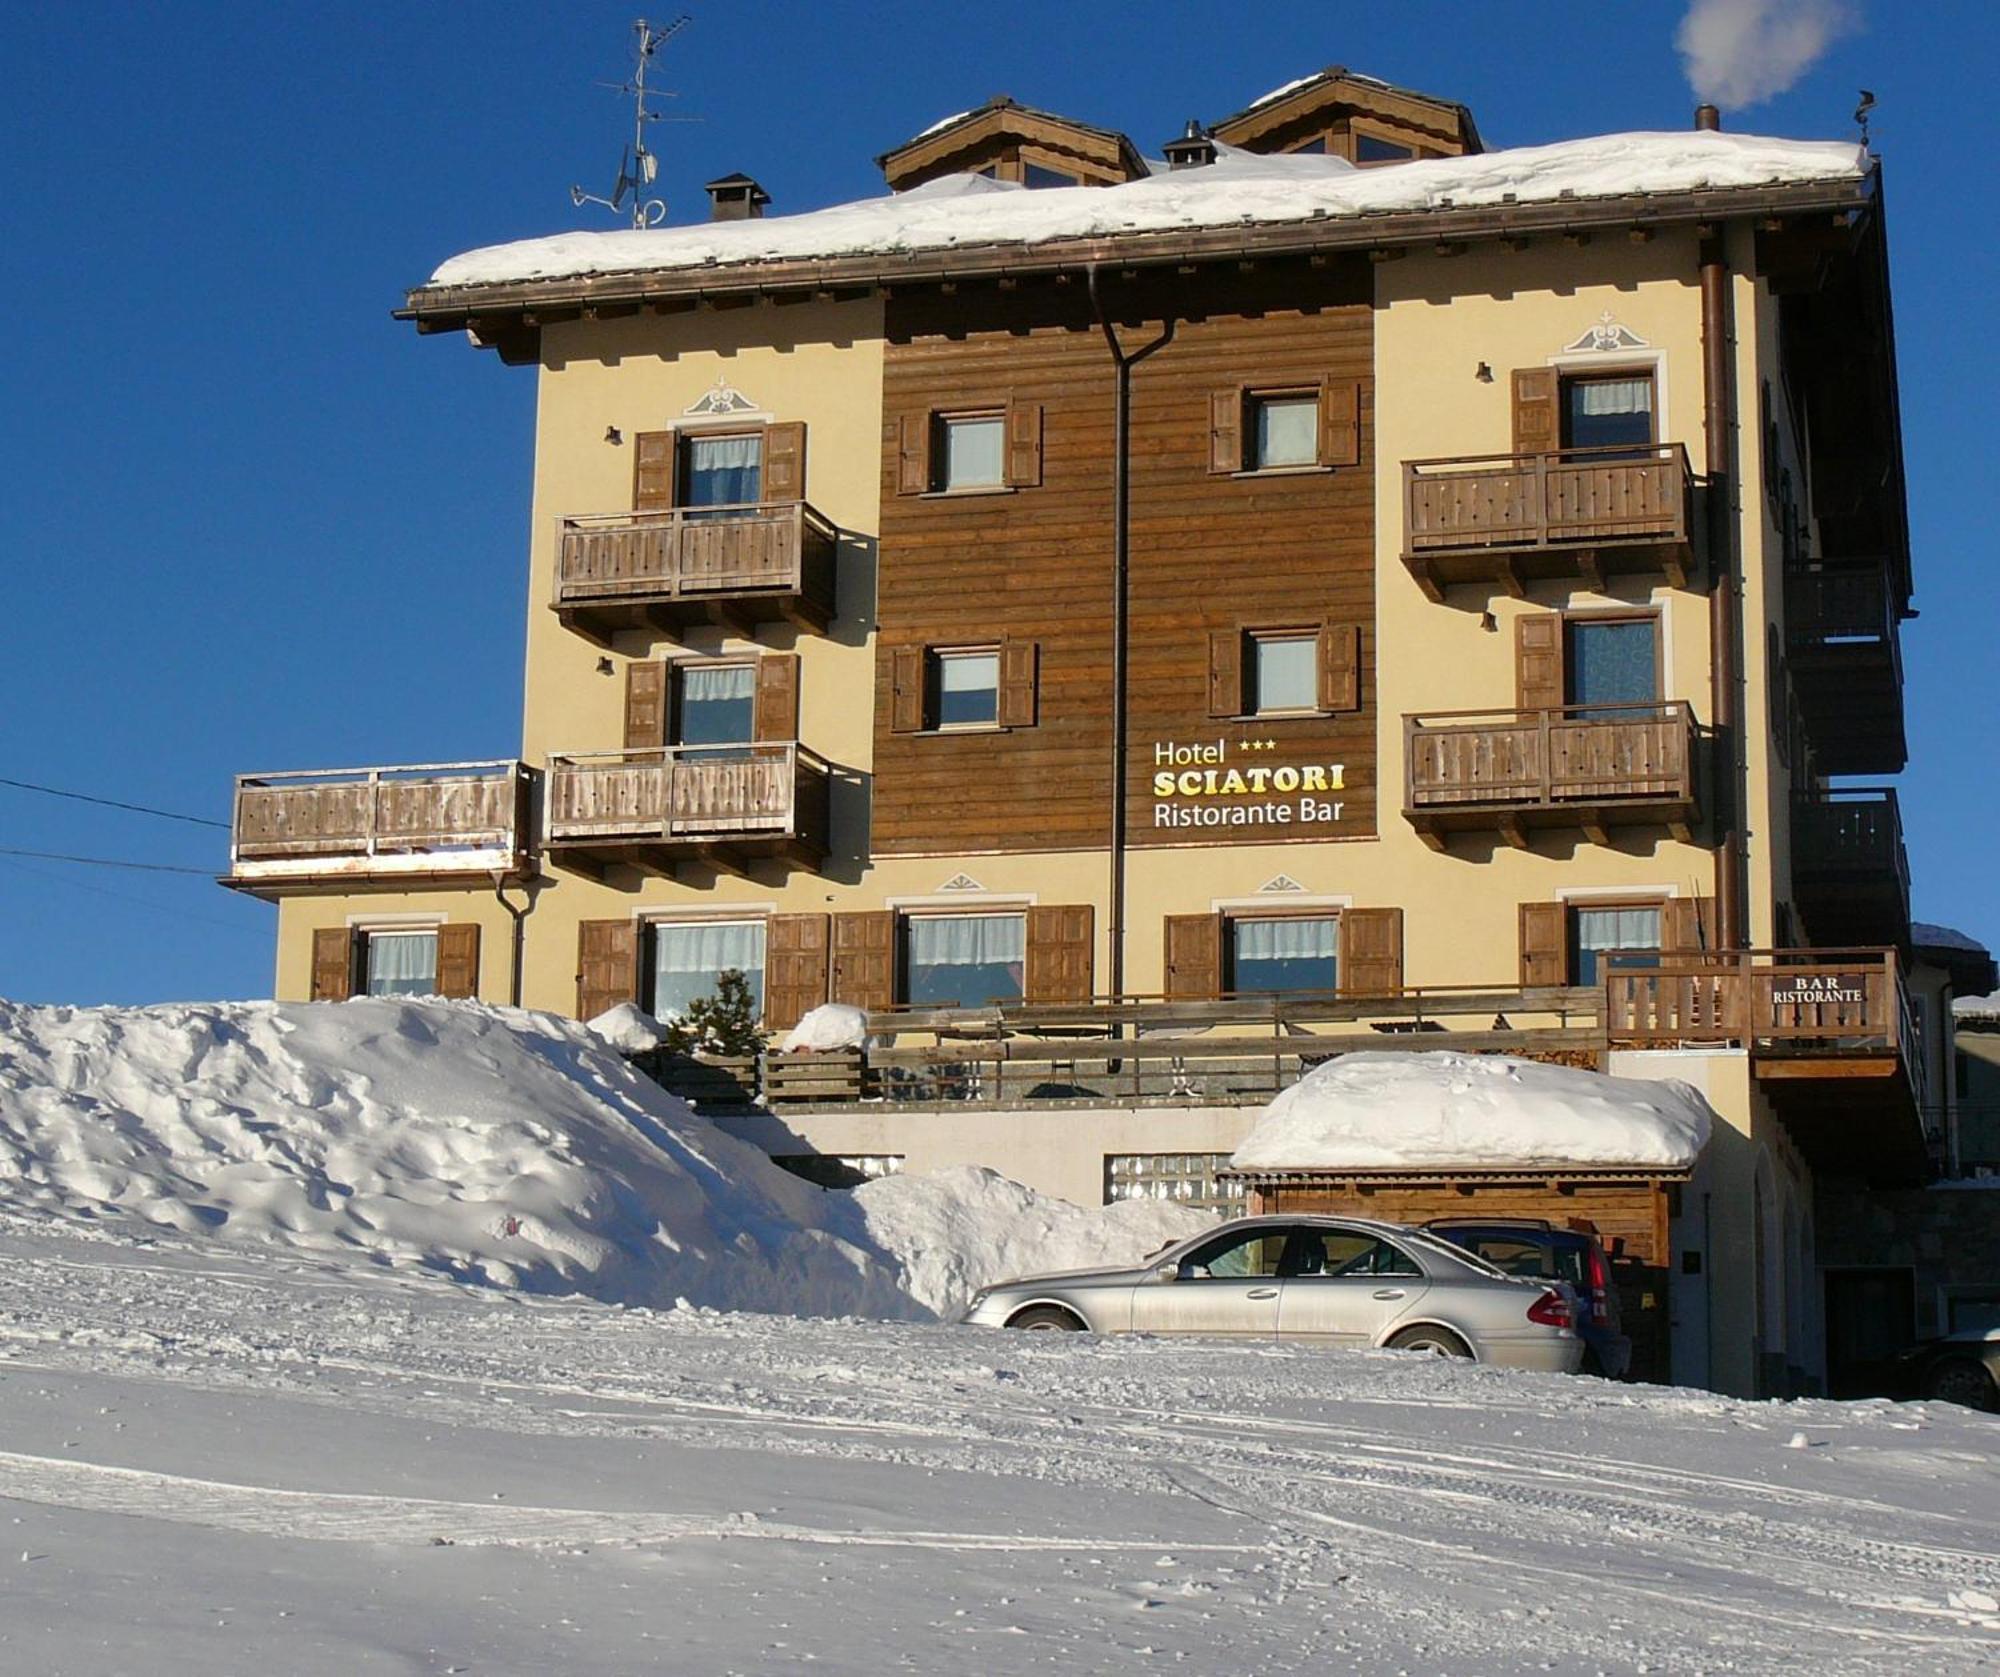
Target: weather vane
[[1861, 113], [638, 167]]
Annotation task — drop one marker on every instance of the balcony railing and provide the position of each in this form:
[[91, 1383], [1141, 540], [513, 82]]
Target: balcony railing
[[740, 565], [1850, 870], [1574, 513], [1588, 766], [1843, 645], [722, 804], [341, 827]]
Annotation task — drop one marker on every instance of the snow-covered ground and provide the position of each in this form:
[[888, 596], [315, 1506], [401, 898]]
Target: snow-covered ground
[[219, 1460]]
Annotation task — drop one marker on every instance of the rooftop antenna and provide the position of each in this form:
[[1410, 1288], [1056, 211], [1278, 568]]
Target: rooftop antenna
[[1861, 115], [638, 167]]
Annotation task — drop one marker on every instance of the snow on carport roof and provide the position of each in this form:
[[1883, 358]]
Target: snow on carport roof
[[1239, 189], [1403, 1111]]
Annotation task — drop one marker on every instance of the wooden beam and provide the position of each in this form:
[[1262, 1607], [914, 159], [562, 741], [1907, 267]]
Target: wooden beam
[[1816, 1068]]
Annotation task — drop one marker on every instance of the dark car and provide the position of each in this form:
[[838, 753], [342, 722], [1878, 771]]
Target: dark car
[[1961, 1367], [1536, 1248]]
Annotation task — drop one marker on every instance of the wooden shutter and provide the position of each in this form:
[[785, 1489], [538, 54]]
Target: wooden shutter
[[795, 967], [1340, 666], [645, 705], [864, 958], [458, 960], [653, 471], [1340, 422], [1225, 672], [333, 964], [1024, 444], [912, 445], [785, 461], [1544, 945], [1535, 427], [1194, 957], [1371, 951], [607, 965], [1061, 941], [1225, 430], [1687, 924], [774, 714], [906, 690], [1538, 660], [1017, 684]]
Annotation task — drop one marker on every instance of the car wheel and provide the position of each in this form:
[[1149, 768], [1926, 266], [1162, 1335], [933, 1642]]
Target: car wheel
[[1436, 1342], [1962, 1381], [1047, 1318]]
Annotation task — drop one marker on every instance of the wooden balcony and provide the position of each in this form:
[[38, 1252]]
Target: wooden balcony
[[1509, 772], [1575, 515], [1850, 872], [342, 829], [1831, 1034], [738, 566], [726, 807], [1843, 645]]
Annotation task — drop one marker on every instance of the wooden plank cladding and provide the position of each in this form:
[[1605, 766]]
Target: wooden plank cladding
[[1216, 556], [651, 808], [666, 569], [340, 827], [1588, 766], [1850, 871], [1571, 514]]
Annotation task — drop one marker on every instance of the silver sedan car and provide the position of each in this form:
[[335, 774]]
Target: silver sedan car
[[1326, 1280]]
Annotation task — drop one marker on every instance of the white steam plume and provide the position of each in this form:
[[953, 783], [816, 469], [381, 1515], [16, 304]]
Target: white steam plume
[[1739, 52]]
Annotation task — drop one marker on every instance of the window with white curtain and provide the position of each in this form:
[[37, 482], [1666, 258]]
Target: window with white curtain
[[689, 958], [1601, 411], [720, 471], [714, 704], [963, 960], [1284, 431], [972, 452], [400, 963], [1595, 932], [1295, 953], [1283, 673]]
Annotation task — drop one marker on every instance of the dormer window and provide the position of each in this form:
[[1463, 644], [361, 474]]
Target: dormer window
[[1372, 148], [1003, 140], [1038, 175]]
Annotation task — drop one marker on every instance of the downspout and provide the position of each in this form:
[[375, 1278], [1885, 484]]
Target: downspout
[[1724, 601], [1121, 556], [520, 940]]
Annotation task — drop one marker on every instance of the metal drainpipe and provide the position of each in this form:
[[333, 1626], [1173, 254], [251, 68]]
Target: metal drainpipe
[[520, 918], [1121, 511], [1724, 605]]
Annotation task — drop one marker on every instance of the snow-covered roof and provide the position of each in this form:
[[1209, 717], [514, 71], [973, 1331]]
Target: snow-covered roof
[[1413, 1111], [1239, 189]]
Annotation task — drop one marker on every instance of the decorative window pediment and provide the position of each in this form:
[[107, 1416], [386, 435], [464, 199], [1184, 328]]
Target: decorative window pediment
[[724, 401], [1606, 337]]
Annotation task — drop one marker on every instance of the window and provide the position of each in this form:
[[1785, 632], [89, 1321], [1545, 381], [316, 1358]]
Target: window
[[714, 704], [1607, 410], [399, 963], [1283, 672], [1284, 430], [1594, 932], [1372, 148], [1611, 661], [971, 451], [1183, 1178], [721, 471], [1295, 953], [964, 689], [1236, 1257], [1316, 147], [1345, 1252], [963, 960], [1034, 175], [688, 958]]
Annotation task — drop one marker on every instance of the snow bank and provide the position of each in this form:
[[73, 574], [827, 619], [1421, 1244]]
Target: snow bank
[[629, 1028], [484, 1143], [827, 1027], [1239, 188], [958, 1230], [1388, 1110]]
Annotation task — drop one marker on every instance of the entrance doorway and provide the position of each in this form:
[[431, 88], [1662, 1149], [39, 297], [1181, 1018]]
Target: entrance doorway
[[1871, 1314]]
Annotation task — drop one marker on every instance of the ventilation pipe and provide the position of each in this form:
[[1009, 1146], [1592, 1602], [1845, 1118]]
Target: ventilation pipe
[[1724, 603]]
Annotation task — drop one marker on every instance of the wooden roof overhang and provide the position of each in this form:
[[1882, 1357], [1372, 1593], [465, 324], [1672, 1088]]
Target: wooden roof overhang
[[1444, 121], [508, 316], [966, 141]]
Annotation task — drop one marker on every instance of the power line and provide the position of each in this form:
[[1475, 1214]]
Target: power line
[[110, 803], [106, 862]]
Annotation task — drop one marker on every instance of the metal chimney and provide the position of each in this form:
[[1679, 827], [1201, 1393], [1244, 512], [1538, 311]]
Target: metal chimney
[[1190, 150], [1707, 117]]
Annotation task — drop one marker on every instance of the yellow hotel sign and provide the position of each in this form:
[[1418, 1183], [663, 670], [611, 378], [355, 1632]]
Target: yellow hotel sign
[[1197, 785]]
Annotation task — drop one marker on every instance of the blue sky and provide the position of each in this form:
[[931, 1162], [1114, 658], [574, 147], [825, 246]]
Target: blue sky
[[250, 522]]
